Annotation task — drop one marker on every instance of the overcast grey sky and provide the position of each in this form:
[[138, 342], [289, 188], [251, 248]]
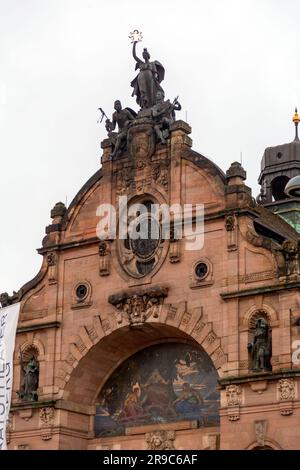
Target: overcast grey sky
[[234, 64]]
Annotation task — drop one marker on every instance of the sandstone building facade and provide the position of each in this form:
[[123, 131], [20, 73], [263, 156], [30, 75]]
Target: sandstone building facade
[[152, 345]]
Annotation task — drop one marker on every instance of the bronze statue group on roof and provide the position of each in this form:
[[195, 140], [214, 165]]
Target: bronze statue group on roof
[[154, 109]]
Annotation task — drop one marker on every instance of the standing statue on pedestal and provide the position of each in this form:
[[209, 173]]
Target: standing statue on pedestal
[[147, 82], [124, 118], [30, 381], [163, 113], [261, 348]]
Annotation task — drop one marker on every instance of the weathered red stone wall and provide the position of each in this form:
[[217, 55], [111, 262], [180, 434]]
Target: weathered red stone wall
[[80, 344]]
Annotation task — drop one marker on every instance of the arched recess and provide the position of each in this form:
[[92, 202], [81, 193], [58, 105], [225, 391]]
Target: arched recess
[[269, 445], [92, 359], [167, 382], [35, 344], [264, 310]]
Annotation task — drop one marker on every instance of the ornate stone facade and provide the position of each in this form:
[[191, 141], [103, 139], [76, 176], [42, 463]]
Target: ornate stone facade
[[97, 303]]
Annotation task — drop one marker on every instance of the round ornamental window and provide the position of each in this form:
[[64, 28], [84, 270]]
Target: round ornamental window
[[81, 292], [147, 237], [143, 249], [201, 270]]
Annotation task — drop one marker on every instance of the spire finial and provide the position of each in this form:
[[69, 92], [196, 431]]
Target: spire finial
[[296, 120]]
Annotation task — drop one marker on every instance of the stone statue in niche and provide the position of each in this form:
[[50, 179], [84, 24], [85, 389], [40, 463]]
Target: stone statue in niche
[[123, 118], [261, 347], [30, 381], [147, 82], [163, 113]]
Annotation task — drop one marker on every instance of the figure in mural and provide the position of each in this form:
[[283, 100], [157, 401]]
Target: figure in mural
[[147, 82], [261, 348], [188, 400], [163, 113], [104, 421], [132, 407], [123, 118], [157, 400], [30, 380], [160, 384]]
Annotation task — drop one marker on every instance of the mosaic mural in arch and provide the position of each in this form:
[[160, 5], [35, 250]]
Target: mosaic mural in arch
[[160, 384]]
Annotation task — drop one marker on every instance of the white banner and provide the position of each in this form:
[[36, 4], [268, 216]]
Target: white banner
[[8, 327]]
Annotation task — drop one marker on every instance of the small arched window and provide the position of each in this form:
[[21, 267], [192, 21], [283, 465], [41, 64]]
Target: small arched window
[[278, 184]]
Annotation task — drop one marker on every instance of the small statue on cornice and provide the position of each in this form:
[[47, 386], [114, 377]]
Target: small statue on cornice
[[124, 119], [163, 114]]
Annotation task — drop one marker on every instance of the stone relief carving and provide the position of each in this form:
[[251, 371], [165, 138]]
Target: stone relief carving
[[141, 140], [234, 416], [230, 223], [47, 416], [260, 432], [230, 226], [234, 395], [160, 440], [138, 307], [290, 251], [286, 395], [104, 258], [174, 249], [142, 173], [52, 267], [286, 389], [234, 400]]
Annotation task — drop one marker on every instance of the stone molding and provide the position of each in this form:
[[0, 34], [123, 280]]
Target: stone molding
[[190, 321]]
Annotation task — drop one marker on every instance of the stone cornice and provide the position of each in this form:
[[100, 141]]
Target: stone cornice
[[90, 241], [260, 290], [69, 245], [38, 326], [255, 377], [32, 404]]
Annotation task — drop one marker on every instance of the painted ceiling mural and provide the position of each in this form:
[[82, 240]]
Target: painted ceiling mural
[[163, 383]]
